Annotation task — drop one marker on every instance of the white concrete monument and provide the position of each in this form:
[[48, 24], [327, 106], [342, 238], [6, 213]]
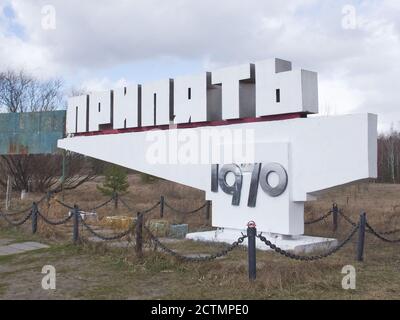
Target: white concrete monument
[[241, 134]]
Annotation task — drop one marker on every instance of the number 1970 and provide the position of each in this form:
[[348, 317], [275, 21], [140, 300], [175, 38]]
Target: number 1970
[[259, 175]]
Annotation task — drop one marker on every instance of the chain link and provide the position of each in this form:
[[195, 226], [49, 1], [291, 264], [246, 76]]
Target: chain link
[[184, 212], [106, 238], [125, 204], [25, 210], [388, 233], [16, 223], [308, 258], [194, 259], [92, 209], [319, 219], [380, 235], [372, 230], [64, 204], [15, 213], [346, 218], [102, 204], [150, 209], [55, 223]]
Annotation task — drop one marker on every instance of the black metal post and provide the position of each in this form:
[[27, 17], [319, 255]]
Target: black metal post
[[335, 211], [34, 217], [208, 210], [76, 219], [139, 235], [251, 238], [361, 237], [162, 199]]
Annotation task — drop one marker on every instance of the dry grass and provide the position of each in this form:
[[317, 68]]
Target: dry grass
[[117, 273], [381, 202]]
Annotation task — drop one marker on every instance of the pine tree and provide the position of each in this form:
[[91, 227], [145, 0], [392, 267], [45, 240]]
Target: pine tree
[[116, 181]]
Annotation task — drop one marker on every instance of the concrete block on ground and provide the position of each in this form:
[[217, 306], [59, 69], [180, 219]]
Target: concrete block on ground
[[27, 246], [178, 230], [6, 250], [3, 242], [21, 248], [171, 240], [118, 222], [158, 227]]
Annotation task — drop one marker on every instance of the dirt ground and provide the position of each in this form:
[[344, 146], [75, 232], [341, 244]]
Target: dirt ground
[[97, 271]]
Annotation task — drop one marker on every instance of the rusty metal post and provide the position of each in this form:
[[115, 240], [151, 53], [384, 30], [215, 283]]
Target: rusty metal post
[[139, 235]]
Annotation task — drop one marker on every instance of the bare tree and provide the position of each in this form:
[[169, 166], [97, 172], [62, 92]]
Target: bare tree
[[389, 157], [43, 172], [21, 92]]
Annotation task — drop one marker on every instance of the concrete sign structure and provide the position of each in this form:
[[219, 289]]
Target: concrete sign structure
[[241, 134]]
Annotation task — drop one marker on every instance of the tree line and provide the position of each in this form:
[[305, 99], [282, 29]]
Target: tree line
[[22, 92], [389, 157]]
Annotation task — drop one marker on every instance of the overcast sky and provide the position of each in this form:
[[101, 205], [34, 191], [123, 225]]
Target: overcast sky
[[101, 44]]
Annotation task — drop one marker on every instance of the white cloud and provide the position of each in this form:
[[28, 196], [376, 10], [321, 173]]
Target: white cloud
[[358, 69], [96, 84]]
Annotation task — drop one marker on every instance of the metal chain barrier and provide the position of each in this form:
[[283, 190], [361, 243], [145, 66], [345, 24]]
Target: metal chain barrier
[[319, 219], [388, 233], [142, 212], [55, 223], [16, 223], [309, 258], [125, 204], [150, 209], [107, 238], [64, 204], [380, 235], [102, 204], [194, 259], [372, 230], [92, 209], [41, 200], [184, 212], [15, 213], [346, 218]]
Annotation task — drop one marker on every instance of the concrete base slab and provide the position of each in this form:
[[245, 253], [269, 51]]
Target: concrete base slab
[[297, 244], [6, 250], [3, 242], [171, 240], [200, 255], [21, 248]]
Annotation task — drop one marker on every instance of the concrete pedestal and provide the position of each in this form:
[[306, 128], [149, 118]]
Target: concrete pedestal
[[297, 244]]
